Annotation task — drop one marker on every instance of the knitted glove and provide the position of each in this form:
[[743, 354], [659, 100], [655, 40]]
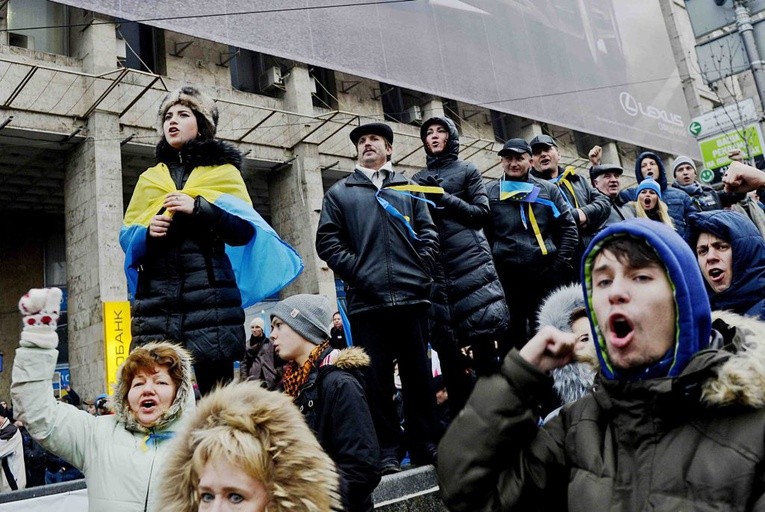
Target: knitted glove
[[40, 308]]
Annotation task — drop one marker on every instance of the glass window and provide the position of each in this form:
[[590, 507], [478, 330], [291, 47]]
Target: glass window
[[144, 47], [256, 72], [38, 25]]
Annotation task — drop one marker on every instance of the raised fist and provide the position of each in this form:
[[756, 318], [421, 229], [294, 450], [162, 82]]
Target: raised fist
[[40, 308]]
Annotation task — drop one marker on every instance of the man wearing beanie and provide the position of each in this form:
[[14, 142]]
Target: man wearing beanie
[[258, 361], [375, 232], [674, 423], [327, 386], [704, 197]]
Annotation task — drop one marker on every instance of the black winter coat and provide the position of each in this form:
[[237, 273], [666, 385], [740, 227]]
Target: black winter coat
[[187, 290], [513, 243], [467, 296], [334, 405], [595, 206], [370, 250]]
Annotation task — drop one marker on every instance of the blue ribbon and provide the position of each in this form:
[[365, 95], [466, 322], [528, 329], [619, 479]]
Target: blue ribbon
[[397, 214], [526, 193]]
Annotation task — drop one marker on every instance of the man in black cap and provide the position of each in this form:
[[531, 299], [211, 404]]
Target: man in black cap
[[605, 178], [380, 239], [590, 209], [533, 239]]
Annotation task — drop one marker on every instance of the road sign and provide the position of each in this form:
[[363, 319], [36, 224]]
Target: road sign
[[724, 119], [714, 151], [707, 16]]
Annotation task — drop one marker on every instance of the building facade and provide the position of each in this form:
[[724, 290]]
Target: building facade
[[79, 92]]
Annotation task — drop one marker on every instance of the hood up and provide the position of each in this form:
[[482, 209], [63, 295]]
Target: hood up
[[693, 320], [184, 395], [452, 150], [662, 171], [747, 287], [245, 418]]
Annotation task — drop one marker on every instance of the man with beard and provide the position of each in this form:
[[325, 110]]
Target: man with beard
[[605, 177], [379, 238], [589, 208]]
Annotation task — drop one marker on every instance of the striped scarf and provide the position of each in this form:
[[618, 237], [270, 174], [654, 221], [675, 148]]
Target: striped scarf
[[295, 376]]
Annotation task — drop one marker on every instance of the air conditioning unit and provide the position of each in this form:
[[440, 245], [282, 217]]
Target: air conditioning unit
[[271, 79], [412, 115], [312, 86], [121, 48]]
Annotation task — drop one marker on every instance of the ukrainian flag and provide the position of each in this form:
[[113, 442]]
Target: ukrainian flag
[[263, 266]]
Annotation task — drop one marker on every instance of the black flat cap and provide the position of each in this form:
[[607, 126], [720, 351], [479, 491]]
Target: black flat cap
[[543, 139], [598, 170], [517, 146], [381, 129]]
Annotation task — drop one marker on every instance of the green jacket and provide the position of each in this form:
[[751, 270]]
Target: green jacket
[[691, 443]]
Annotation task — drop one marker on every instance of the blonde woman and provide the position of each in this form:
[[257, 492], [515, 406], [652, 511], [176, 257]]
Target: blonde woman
[[248, 449], [649, 204]]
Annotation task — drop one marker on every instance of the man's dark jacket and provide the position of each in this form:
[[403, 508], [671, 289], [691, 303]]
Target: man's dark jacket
[[513, 243], [595, 206], [381, 264], [334, 405]]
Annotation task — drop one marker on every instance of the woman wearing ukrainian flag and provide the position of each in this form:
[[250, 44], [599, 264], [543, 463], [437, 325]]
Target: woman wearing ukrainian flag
[[196, 252]]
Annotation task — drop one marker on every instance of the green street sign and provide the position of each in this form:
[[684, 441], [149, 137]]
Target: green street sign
[[706, 175], [714, 151], [694, 128]]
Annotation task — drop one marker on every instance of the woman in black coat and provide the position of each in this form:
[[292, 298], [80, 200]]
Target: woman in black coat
[[468, 302], [183, 284]]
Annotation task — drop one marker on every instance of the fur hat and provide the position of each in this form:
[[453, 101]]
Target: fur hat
[[196, 100], [649, 184], [677, 162], [308, 315], [262, 433]]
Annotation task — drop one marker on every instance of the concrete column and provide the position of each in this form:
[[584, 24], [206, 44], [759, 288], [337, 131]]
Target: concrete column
[[433, 108], [610, 154], [93, 209], [531, 130], [94, 259], [296, 193]]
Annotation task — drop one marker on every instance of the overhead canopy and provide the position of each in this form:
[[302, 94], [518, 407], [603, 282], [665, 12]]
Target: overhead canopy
[[602, 66]]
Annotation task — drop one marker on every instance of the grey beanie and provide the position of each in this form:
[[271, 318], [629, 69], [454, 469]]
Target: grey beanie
[[196, 100], [677, 162], [308, 315]]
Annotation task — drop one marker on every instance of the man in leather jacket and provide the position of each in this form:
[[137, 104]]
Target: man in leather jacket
[[376, 234]]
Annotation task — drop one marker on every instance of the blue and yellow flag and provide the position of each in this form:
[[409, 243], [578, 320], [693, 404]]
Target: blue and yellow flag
[[263, 266]]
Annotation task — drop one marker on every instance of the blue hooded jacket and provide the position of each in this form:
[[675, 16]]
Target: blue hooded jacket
[[693, 315], [746, 294], [679, 204]]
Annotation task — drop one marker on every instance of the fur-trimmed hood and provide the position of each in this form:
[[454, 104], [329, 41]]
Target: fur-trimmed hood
[[740, 379], [558, 306], [351, 358], [301, 477], [199, 152], [182, 404]]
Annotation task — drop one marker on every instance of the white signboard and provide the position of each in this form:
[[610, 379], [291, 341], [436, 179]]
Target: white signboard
[[723, 119]]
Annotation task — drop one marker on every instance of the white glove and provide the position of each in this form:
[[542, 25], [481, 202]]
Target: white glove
[[40, 308]]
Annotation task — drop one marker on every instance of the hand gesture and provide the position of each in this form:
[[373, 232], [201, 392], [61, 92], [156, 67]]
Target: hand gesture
[[158, 225], [742, 178], [549, 349], [595, 155], [40, 308], [179, 202]]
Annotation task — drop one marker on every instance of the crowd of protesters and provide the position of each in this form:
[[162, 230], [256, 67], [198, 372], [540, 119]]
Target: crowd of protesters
[[530, 289]]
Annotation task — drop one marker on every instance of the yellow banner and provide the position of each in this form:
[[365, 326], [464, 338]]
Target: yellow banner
[[116, 338]]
